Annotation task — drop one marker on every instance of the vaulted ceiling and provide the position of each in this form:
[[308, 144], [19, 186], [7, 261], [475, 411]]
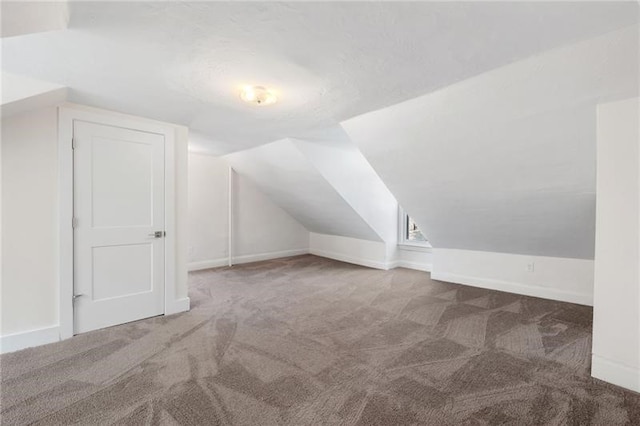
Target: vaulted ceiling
[[505, 161], [477, 117], [285, 173], [183, 62]]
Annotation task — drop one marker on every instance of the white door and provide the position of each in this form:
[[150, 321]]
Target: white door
[[118, 225]]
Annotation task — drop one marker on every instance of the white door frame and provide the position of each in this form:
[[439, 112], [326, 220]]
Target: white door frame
[[67, 114]]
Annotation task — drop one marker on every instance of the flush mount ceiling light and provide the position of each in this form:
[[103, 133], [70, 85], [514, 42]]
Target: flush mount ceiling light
[[258, 95]]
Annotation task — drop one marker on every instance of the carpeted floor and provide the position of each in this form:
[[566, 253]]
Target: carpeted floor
[[310, 341]]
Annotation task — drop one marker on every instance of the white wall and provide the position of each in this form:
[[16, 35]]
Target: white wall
[[20, 17], [412, 258], [505, 161], [29, 221], [291, 180], [616, 315], [352, 250], [344, 167], [30, 228], [22, 94], [208, 210], [181, 158], [261, 229], [373, 254], [569, 280]]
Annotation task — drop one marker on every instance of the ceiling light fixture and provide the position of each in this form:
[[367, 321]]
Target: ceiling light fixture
[[258, 95]]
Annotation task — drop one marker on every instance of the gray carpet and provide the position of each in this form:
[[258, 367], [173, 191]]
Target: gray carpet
[[310, 341]]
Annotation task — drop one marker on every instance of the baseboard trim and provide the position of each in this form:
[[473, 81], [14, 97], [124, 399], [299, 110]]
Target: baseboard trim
[[418, 266], [28, 339], [207, 264], [247, 258], [177, 306], [518, 288], [349, 259], [370, 263], [615, 373]]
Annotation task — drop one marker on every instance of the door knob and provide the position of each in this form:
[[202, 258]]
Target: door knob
[[157, 234]]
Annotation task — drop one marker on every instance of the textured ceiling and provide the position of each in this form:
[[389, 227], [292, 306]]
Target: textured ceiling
[[505, 161], [284, 173], [183, 62]]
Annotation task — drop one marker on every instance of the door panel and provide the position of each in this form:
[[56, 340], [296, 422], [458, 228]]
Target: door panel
[[122, 270], [123, 199], [118, 207]]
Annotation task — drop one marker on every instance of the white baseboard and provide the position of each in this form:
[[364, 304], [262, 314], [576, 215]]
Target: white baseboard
[[42, 336], [514, 287], [177, 306], [29, 339], [207, 264], [615, 373], [248, 258], [370, 263], [418, 266], [349, 259], [237, 260]]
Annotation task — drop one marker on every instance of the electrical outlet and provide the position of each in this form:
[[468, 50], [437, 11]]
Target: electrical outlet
[[531, 266]]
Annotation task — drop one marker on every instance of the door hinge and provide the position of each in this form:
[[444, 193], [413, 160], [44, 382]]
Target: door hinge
[[73, 143], [74, 222]]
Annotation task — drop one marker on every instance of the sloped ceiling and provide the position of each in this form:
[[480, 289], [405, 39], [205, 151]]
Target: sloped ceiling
[[344, 167], [505, 161], [20, 94], [28, 17], [489, 143], [183, 62], [288, 178]]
